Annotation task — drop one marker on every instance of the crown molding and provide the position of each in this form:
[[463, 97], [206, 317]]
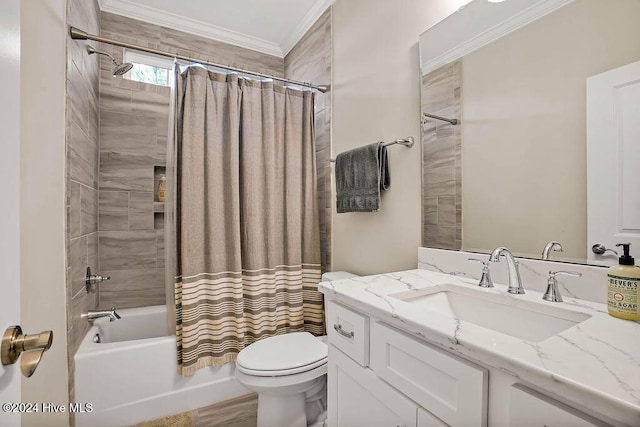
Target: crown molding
[[188, 25], [473, 41], [316, 11]]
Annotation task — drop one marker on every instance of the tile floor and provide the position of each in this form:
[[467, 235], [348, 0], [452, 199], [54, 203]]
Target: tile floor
[[238, 412]]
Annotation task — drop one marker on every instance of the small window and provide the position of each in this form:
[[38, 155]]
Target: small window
[[148, 68]]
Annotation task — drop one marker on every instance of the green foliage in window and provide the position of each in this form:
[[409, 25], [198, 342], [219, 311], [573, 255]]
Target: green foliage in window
[[149, 74]]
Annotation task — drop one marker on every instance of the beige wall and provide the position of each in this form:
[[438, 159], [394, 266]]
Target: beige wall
[[42, 205], [524, 151], [376, 96]]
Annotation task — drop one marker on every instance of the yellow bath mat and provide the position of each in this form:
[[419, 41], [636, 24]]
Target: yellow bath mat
[[185, 419]]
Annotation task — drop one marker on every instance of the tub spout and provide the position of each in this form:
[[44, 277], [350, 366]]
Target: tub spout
[[96, 314]]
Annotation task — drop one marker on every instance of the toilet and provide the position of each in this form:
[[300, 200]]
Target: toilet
[[289, 373]]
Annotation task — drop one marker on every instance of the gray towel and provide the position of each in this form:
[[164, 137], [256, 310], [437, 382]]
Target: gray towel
[[360, 175]]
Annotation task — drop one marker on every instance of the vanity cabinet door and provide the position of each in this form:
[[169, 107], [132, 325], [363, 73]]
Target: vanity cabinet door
[[452, 389], [528, 408], [357, 398]]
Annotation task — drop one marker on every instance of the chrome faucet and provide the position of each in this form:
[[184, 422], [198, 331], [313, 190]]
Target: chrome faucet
[[551, 246], [96, 314], [515, 284]]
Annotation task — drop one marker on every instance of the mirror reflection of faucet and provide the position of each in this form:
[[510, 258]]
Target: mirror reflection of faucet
[[551, 246]]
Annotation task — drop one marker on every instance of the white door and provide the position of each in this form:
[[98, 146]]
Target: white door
[[10, 376], [613, 156]]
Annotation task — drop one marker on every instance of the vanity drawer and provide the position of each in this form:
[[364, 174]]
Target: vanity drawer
[[349, 332], [452, 389]]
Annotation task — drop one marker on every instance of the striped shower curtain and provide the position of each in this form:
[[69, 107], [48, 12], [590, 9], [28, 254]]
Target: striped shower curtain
[[246, 238]]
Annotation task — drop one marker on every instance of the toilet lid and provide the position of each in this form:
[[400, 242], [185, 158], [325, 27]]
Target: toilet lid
[[282, 355]]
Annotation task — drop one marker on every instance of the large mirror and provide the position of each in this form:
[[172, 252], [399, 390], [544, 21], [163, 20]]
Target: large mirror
[[520, 69]]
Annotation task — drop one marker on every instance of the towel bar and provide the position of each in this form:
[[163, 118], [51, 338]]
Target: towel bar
[[407, 142]]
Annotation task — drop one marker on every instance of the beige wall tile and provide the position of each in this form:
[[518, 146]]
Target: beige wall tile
[[133, 288], [82, 165], [88, 210], [151, 104], [120, 250], [116, 25], [113, 211], [126, 171], [80, 304], [124, 132], [141, 211], [114, 98], [77, 259], [73, 194]]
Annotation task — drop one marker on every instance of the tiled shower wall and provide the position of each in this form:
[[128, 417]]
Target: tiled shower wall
[[442, 159], [82, 174], [310, 61]]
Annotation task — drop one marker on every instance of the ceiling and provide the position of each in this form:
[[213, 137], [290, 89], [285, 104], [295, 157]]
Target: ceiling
[[272, 27]]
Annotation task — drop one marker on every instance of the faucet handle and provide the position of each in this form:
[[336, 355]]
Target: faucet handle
[[485, 280], [566, 273], [552, 293], [94, 279]]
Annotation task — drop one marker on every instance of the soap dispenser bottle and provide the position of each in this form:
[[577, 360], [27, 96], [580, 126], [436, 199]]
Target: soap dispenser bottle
[[623, 290]]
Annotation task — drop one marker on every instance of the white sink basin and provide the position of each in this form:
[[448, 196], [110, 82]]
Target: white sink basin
[[507, 314]]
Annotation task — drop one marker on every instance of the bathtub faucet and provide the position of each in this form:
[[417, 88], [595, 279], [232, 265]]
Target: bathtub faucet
[[96, 314]]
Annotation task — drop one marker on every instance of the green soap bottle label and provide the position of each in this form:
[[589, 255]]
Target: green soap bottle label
[[622, 295]]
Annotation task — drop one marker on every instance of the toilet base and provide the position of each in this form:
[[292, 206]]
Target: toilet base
[[278, 411]]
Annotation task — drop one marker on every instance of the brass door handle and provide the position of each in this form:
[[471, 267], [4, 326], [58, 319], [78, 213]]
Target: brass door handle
[[32, 347]]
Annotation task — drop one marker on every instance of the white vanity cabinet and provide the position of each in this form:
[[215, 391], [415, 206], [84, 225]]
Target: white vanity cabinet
[[378, 376], [381, 376]]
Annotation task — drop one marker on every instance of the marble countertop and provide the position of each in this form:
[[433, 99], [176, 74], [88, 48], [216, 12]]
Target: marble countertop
[[595, 364]]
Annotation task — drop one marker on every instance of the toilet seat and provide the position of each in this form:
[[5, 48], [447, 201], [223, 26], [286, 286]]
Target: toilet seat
[[281, 372], [282, 355]]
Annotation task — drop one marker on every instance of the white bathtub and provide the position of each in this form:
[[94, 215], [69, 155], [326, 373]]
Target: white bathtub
[[131, 376]]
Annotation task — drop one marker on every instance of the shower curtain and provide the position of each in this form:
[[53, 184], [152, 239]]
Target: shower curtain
[[243, 224]]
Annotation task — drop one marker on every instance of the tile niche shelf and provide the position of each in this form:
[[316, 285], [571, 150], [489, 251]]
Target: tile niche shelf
[[158, 207]]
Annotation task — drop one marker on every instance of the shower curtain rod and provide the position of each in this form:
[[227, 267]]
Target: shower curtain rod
[[78, 34]]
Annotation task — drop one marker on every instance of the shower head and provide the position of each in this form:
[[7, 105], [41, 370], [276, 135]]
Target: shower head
[[120, 68]]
